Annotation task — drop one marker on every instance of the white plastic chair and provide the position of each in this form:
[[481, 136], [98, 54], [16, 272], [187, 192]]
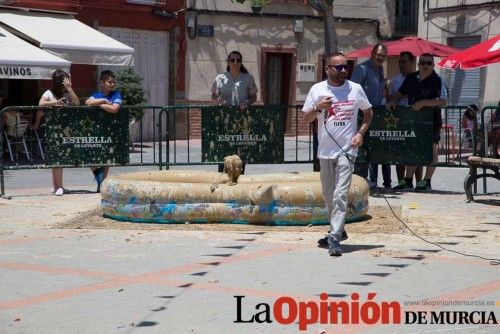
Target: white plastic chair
[[39, 143], [131, 121], [18, 136]]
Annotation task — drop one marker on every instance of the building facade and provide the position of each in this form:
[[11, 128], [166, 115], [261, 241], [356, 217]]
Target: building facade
[[462, 24], [282, 46], [154, 28], [278, 44]]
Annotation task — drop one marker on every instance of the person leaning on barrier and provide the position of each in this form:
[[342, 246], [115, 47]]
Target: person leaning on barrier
[[335, 103], [235, 87], [61, 94], [370, 75], [494, 132], [424, 88], [406, 63], [469, 118], [109, 100]]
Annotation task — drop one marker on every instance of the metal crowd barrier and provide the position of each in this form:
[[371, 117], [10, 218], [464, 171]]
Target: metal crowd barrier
[[181, 146], [26, 147], [175, 131], [486, 132]]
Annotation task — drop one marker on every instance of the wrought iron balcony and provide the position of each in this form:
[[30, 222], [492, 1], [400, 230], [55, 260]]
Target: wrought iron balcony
[[147, 2]]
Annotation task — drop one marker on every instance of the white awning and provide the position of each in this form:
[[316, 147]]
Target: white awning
[[21, 60], [68, 38]]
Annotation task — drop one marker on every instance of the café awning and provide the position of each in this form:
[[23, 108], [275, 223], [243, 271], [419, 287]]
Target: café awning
[[415, 45], [21, 60], [68, 38], [479, 55]]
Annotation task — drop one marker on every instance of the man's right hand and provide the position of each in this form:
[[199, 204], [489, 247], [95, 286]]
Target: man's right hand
[[325, 104], [391, 106]]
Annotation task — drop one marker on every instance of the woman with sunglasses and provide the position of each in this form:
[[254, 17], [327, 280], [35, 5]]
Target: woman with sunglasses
[[235, 87]]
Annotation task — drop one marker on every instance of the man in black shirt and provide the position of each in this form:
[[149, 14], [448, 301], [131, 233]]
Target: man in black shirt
[[424, 88]]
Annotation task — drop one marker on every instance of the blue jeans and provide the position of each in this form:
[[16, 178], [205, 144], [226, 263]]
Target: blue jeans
[[386, 173]]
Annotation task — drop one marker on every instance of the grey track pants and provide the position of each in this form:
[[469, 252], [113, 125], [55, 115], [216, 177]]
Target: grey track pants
[[336, 176]]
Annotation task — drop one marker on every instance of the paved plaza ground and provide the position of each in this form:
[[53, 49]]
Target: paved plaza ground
[[65, 269]]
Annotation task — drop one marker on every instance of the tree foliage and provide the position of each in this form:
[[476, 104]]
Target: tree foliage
[[129, 85]]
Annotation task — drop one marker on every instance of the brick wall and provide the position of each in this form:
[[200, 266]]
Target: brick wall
[[295, 120], [195, 123]]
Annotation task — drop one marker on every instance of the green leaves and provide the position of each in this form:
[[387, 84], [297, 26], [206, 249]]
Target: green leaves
[[129, 85]]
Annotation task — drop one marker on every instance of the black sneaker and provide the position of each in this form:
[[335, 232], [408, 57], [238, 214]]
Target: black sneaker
[[334, 247], [403, 186], [423, 186], [323, 242]]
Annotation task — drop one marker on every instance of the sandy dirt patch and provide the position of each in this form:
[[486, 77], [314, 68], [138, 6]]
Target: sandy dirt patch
[[379, 219]]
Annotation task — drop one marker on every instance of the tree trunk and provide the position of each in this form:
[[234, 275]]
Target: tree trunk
[[331, 42]]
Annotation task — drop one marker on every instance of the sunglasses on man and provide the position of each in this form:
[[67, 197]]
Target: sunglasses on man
[[424, 62], [338, 68], [235, 60]]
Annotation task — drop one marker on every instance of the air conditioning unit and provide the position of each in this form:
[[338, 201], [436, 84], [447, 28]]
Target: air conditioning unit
[[306, 72], [147, 2]]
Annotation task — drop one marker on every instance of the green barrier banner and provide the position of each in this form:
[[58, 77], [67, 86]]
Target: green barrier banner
[[255, 133], [402, 136], [86, 136]]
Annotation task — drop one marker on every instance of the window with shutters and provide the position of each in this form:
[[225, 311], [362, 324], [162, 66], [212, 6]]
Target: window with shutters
[[464, 86], [406, 18]]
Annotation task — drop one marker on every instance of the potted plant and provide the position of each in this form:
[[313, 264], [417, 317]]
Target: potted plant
[[256, 5], [129, 85]]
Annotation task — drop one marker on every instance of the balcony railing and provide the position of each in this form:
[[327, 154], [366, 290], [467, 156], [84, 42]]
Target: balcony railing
[[147, 2]]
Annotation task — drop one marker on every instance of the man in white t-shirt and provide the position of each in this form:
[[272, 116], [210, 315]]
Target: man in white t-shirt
[[335, 102]]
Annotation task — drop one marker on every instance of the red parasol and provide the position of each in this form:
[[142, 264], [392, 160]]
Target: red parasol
[[415, 45], [482, 54]]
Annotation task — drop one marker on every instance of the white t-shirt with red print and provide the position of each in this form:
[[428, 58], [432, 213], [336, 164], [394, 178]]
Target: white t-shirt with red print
[[342, 116]]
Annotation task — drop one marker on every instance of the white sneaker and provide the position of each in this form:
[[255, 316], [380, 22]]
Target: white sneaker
[[59, 192]]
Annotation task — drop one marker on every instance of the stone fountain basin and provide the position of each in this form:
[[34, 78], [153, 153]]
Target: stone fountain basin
[[180, 196]]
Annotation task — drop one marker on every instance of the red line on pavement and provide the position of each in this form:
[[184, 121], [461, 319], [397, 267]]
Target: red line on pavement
[[26, 239], [57, 295], [158, 278], [57, 270], [118, 279]]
